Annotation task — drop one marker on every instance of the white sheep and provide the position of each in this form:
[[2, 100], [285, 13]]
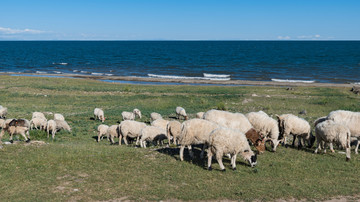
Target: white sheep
[[200, 115], [102, 131], [113, 132], [3, 112], [195, 131], [152, 133], [38, 122], [161, 123], [298, 127], [331, 132], [59, 117], [180, 112], [154, 116], [173, 129], [51, 126], [228, 141], [99, 114], [16, 126], [349, 119], [130, 128], [38, 115], [62, 124], [131, 115], [266, 126]]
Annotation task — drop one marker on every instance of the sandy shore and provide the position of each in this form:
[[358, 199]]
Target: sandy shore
[[188, 81]]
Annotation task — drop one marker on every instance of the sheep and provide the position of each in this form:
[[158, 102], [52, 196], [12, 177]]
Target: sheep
[[195, 131], [298, 127], [3, 112], [256, 139], [112, 132], [154, 116], [37, 121], [16, 126], [62, 124], [38, 115], [349, 119], [173, 129], [161, 123], [180, 112], [99, 114], [229, 141], [236, 121], [152, 133], [266, 126], [102, 130], [2, 121], [331, 132], [130, 128], [131, 115], [200, 115], [51, 126], [59, 117]]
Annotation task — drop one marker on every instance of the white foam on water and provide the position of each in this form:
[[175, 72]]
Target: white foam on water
[[216, 75], [187, 77], [97, 74], [40, 72], [60, 63], [76, 70], [85, 72], [57, 72], [109, 74], [293, 81]]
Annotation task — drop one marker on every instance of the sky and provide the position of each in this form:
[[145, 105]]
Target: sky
[[180, 20]]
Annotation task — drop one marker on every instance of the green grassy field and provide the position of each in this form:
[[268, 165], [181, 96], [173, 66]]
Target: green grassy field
[[75, 167]]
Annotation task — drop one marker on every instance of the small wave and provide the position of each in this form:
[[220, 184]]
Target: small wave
[[76, 70], [187, 77], [97, 74], [60, 63], [40, 72], [109, 74], [57, 72], [216, 75], [85, 72], [293, 81]]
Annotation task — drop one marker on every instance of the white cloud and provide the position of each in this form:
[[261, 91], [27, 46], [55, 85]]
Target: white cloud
[[284, 37], [4, 30], [310, 37]]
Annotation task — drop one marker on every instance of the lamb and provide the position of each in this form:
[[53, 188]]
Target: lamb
[[3, 112], [51, 126], [200, 115], [236, 121], [112, 132], [331, 132], [161, 123], [38, 115], [152, 133], [228, 141], [102, 130], [195, 131], [256, 140], [59, 117], [99, 114], [266, 126], [154, 116], [180, 112], [38, 122], [173, 129], [16, 126], [62, 124], [131, 115], [349, 119], [129, 128], [298, 127]]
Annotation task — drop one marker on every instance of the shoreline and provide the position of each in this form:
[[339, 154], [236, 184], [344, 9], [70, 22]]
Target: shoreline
[[164, 81]]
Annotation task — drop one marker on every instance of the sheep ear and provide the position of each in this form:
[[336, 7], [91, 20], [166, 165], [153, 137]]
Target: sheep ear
[[277, 116]]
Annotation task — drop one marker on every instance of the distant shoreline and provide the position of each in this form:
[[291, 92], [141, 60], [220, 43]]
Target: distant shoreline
[[139, 80]]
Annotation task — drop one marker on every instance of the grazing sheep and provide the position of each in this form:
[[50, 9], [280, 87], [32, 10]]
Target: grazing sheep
[[200, 115], [195, 131], [99, 114], [129, 128], [180, 112], [256, 139], [38, 122], [266, 126], [161, 123], [173, 129], [152, 133], [298, 127], [331, 132], [235, 121], [62, 124], [228, 141], [102, 131], [154, 116], [59, 117], [112, 132], [319, 120], [131, 115], [51, 126], [16, 126], [3, 112], [38, 115]]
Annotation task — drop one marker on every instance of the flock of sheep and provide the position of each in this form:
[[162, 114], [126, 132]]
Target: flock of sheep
[[220, 132]]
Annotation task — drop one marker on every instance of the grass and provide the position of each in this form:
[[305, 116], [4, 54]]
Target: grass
[[75, 167]]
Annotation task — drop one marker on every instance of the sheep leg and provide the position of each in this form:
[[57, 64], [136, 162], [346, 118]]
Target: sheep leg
[[137, 140], [210, 155], [48, 133], [357, 147], [318, 146], [23, 134], [182, 147], [331, 147], [99, 135], [233, 162], [144, 143], [191, 153], [203, 151], [293, 143], [125, 140], [325, 145], [219, 156], [53, 134]]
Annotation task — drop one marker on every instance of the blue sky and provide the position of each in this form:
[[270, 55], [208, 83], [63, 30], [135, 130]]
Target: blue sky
[[179, 20]]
